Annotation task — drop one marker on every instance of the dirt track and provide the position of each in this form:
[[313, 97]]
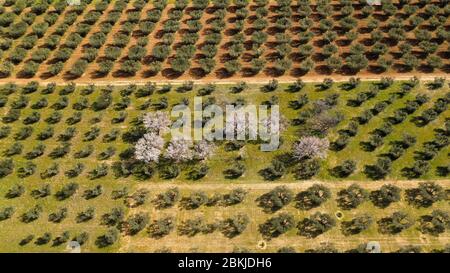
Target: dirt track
[[297, 185], [122, 81]]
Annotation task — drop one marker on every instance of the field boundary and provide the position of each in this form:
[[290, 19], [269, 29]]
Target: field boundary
[[368, 184], [312, 79]]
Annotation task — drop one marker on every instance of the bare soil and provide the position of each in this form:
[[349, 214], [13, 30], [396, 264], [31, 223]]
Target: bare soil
[[317, 74]]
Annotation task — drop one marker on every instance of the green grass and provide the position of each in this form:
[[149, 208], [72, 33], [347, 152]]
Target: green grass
[[13, 230], [251, 237]]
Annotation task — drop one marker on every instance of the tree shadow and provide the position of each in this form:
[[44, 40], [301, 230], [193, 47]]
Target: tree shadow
[[69, 76], [367, 146], [148, 73], [170, 73], [323, 70], [222, 73], [273, 72], [248, 72], [45, 75], [375, 69], [297, 72], [197, 72], [97, 74], [442, 171]]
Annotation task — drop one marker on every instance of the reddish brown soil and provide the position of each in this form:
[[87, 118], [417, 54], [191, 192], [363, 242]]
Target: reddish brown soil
[[317, 74]]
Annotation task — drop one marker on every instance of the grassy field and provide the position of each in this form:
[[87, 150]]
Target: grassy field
[[13, 230], [251, 239]]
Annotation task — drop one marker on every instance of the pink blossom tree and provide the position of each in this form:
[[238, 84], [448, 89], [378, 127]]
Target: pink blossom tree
[[179, 150], [311, 147], [157, 122], [203, 149], [149, 148]]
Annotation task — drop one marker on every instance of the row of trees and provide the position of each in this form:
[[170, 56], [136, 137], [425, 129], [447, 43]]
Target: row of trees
[[319, 223], [364, 117], [98, 39], [27, 42], [425, 195], [421, 165], [282, 57], [314, 124], [435, 223], [229, 227]]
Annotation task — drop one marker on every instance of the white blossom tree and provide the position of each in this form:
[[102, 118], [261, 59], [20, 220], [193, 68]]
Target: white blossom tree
[[324, 121], [311, 147], [157, 122], [149, 147], [179, 150], [203, 149]]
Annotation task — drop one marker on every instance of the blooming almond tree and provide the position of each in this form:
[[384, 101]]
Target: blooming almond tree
[[179, 150], [311, 147], [157, 122], [149, 148], [203, 149]]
